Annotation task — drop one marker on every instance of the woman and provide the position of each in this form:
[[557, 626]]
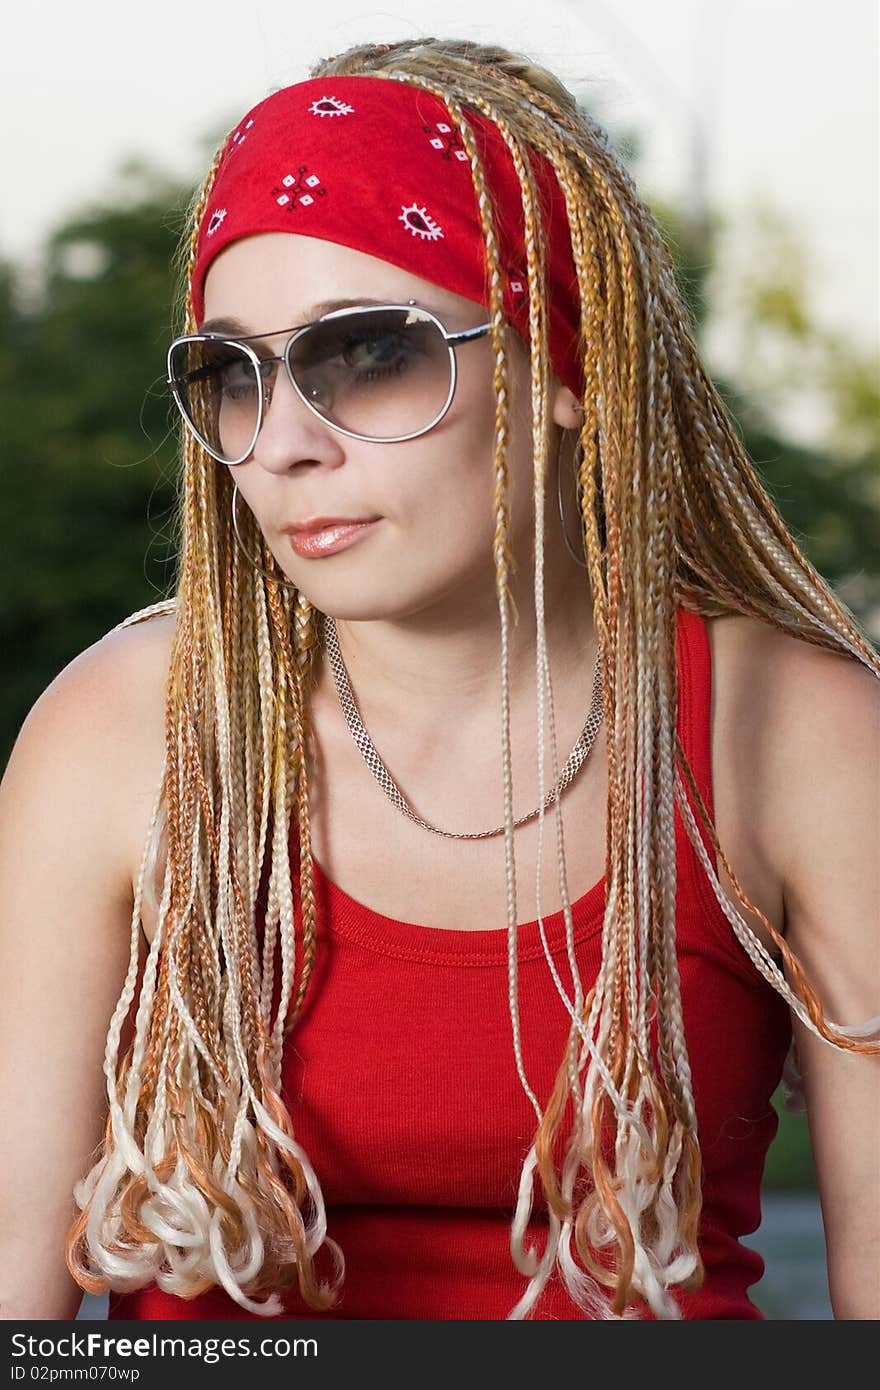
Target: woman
[[423, 302]]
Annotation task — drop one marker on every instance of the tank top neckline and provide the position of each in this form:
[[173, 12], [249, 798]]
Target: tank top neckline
[[354, 921], [351, 920]]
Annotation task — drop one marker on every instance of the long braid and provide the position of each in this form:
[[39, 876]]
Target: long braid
[[240, 1215], [305, 652], [199, 1143]]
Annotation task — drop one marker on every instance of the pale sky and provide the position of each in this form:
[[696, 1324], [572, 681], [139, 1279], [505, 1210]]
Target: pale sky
[[788, 92]]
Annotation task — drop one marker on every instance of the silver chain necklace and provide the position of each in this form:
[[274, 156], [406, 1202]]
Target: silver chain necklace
[[356, 728]]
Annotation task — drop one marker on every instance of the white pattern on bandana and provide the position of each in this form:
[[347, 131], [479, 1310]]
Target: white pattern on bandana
[[445, 140], [240, 136], [419, 221], [290, 193], [330, 106]]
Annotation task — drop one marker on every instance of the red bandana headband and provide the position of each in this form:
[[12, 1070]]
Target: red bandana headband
[[377, 164]]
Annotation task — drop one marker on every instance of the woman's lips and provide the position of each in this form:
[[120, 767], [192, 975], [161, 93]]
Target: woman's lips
[[312, 544]]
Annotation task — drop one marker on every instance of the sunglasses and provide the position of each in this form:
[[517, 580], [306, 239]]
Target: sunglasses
[[380, 372]]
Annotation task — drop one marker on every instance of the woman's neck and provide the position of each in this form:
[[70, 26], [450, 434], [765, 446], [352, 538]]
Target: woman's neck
[[441, 680]]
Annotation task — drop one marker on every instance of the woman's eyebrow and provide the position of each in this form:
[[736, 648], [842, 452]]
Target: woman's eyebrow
[[233, 325]]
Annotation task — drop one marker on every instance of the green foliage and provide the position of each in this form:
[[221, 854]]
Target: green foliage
[[87, 436], [828, 494], [829, 500]]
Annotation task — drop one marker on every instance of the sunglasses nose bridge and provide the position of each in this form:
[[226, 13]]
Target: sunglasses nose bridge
[[268, 375]]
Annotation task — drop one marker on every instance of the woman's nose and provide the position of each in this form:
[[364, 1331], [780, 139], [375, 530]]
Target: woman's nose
[[290, 431]]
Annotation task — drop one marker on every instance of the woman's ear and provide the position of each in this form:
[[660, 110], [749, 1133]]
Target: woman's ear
[[567, 409]]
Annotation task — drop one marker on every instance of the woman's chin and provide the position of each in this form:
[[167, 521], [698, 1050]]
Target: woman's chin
[[352, 604]]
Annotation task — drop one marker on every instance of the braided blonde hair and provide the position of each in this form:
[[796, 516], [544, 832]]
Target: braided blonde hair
[[201, 1180]]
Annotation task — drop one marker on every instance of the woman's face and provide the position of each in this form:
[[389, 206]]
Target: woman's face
[[433, 496]]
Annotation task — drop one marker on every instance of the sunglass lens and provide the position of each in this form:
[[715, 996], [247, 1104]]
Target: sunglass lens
[[218, 391], [382, 373]]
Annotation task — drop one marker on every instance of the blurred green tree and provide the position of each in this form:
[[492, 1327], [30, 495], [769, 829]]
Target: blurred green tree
[[87, 435], [788, 364]]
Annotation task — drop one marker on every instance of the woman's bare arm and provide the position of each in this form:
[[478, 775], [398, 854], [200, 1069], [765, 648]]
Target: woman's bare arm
[[65, 915], [826, 800]]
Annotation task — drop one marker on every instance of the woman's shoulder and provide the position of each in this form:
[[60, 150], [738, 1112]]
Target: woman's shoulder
[[135, 656], [112, 689], [100, 723], [791, 720], [779, 680], [785, 684], [117, 662], [118, 684]]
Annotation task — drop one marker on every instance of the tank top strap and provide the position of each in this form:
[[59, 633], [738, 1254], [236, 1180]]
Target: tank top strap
[[694, 660]]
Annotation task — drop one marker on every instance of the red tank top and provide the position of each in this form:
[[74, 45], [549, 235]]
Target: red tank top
[[401, 1083]]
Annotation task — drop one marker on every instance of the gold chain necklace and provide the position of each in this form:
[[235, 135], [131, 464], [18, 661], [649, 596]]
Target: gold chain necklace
[[575, 761]]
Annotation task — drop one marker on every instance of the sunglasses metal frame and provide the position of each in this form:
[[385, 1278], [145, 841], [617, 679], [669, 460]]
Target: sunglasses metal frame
[[452, 341]]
